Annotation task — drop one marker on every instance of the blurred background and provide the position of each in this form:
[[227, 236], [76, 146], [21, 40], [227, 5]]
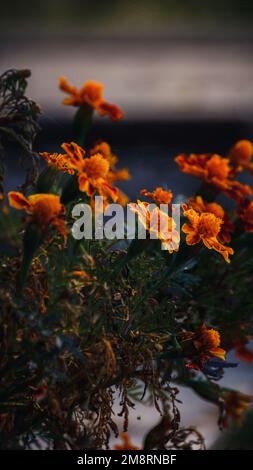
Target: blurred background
[[181, 71]]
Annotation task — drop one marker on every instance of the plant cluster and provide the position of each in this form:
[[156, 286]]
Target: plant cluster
[[88, 323]]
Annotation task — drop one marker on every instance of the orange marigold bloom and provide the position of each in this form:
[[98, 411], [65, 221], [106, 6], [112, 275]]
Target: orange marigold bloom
[[201, 346], [158, 223], [114, 175], [205, 227], [214, 170], [126, 443], [58, 161], [199, 205], [208, 342], [105, 149], [93, 172], [245, 213], [236, 403], [91, 94], [43, 209], [241, 154], [159, 195]]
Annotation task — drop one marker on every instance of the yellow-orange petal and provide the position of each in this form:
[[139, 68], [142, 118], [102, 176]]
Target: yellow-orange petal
[[18, 201], [104, 149], [112, 110], [192, 238], [96, 166], [84, 185], [119, 175], [218, 352], [65, 86]]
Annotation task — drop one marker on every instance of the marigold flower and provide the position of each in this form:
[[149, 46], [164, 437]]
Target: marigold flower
[[126, 443], [158, 223], [214, 170], [205, 227], [205, 343], [245, 213], [58, 161], [105, 149], [159, 195], [43, 209], [208, 342], [241, 154], [236, 403], [114, 175], [93, 172], [200, 206], [91, 94]]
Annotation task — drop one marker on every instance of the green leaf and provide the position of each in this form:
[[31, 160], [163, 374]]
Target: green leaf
[[70, 190], [46, 180]]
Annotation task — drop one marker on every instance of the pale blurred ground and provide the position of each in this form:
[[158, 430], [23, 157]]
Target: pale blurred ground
[[194, 411]]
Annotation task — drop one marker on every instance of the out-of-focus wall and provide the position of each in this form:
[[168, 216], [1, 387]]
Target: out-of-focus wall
[[159, 59]]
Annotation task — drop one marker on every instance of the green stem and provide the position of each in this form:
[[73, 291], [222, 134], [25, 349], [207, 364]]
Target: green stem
[[33, 238], [82, 123]]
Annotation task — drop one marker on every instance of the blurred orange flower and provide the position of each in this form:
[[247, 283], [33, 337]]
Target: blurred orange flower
[[245, 213], [241, 154], [93, 172], [158, 223], [126, 443], [214, 170], [243, 352], [3, 206], [159, 195], [91, 94], [236, 403], [43, 209], [58, 161], [199, 205], [205, 227]]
